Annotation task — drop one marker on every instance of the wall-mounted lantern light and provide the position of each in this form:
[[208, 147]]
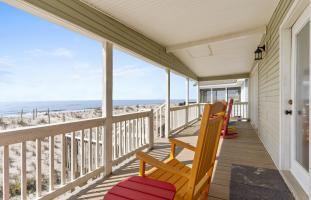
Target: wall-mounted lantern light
[[258, 52]]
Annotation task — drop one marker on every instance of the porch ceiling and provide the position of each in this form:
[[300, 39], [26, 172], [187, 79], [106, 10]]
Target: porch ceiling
[[212, 37]]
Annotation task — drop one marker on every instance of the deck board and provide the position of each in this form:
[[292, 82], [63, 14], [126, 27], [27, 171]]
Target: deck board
[[247, 149]]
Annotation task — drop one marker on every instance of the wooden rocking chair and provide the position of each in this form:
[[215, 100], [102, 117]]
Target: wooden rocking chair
[[226, 133], [189, 182]]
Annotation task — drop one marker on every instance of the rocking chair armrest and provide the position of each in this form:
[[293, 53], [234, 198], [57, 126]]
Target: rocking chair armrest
[[182, 144], [158, 164]]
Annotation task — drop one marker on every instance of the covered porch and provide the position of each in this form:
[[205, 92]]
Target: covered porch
[[203, 41]]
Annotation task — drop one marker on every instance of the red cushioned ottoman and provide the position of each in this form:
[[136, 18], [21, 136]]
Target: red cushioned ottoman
[[141, 188]]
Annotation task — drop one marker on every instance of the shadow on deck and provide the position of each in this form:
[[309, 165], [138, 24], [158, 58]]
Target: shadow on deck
[[247, 149]]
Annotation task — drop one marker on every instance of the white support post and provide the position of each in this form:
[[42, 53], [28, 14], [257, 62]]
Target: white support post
[[187, 102], [168, 103], [107, 104], [226, 95]]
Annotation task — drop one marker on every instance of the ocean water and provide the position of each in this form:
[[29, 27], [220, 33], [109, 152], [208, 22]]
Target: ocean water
[[13, 108]]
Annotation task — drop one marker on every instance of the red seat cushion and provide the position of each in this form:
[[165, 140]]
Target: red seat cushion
[[141, 188]]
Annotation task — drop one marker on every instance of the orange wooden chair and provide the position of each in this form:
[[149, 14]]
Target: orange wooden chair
[[218, 107], [189, 182]]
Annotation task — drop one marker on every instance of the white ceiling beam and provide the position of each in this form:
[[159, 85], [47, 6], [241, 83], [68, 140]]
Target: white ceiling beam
[[218, 38]]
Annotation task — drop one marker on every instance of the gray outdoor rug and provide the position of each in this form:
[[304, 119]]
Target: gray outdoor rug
[[257, 183]]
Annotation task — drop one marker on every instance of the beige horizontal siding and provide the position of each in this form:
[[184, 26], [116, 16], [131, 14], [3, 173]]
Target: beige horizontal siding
[[268, 84]]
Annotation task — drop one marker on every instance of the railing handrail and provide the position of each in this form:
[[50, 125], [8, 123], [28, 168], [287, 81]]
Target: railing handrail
[[19, 135], [237, 103], [129, 116], [193, 104], [160, 107], [174, 108]]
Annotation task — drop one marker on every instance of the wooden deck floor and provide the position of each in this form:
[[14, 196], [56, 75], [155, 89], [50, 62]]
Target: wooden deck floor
[[247, 149]]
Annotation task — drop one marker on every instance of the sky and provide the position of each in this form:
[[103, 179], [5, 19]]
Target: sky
[[42, 61]]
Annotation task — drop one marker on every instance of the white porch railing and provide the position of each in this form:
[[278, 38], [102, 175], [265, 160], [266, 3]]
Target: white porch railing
[[240, 109], [68, 162], [131, 133], [181, 116]]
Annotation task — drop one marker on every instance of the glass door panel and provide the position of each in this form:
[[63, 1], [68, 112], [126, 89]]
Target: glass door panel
[[302, 97]]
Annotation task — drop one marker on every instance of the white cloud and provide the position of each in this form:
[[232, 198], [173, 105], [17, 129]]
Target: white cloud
[[129, 71], [6, 62], [86, 71], [62, 52], [59, 52]]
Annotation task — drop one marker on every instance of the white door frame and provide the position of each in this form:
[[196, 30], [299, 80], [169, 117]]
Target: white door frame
[[291, 17]]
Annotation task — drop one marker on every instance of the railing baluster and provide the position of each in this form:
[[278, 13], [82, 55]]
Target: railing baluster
[[136, 133], [247, 111], [23, 171], [97, 148], [6, 165], [103, 145], [176, 116], [121, 139], [142, 121], [82, 153], [133, 134], [115, 141], [90, 150], [51, 169], [73, 155], [240, 110], [156, 123], [141, 131], [145, 129], [150, 130], [63, 161], [160, 125], [130, 135], [171, 120], [125, 137], [38, 168]]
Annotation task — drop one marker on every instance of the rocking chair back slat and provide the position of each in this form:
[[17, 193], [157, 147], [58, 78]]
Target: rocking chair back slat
[[218, 107]]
